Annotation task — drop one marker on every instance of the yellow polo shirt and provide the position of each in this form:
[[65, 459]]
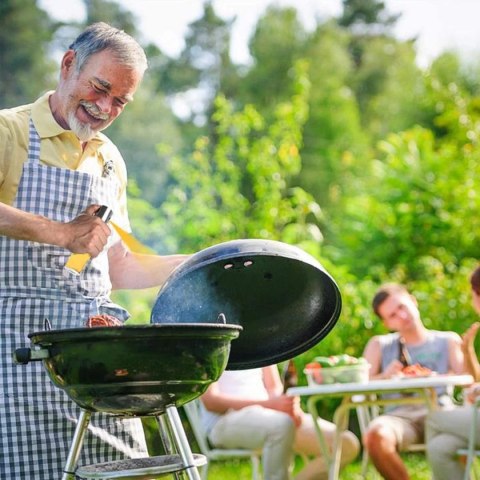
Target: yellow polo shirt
[[59, 148]]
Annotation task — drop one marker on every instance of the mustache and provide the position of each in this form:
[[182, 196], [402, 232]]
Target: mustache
[[94, 111]]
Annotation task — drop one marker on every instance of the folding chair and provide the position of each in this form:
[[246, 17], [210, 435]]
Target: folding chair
[[193, 412]]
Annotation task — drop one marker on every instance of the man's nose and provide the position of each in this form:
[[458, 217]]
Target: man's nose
[[104, 104]]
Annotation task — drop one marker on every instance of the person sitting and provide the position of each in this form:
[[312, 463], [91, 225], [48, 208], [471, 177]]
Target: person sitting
[[248, 409], [411, 342], [446, 432]]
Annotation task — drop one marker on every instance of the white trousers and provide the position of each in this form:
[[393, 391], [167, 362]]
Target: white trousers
[[275, 434], [447, 431]]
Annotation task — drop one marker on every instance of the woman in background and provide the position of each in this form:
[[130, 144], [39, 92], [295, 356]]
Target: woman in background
[[447, 431], [248, 409]]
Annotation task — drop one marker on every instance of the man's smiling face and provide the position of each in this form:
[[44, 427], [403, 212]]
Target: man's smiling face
[[90, 100]]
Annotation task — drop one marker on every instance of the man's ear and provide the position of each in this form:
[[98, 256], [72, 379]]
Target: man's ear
[[68, 63]]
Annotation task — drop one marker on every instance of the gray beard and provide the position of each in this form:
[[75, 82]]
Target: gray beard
[[83, 131]]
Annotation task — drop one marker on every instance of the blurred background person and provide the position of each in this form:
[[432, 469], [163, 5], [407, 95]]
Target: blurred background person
[[248, 409], [448, 431], [409, 343]]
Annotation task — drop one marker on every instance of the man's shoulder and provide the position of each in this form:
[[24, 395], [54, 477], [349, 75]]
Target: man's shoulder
[[16, 117], [13, 112], [444, 339], [386, 338], [444, 334], [107, 144], [382, 341]]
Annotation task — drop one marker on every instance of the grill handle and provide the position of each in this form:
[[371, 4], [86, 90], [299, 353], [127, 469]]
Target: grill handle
[[21, 356]]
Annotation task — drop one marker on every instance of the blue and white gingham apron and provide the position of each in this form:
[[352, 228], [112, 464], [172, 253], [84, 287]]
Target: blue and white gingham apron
[[37, 420]]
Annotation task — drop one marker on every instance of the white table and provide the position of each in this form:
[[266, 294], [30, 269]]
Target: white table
[[368, 394]]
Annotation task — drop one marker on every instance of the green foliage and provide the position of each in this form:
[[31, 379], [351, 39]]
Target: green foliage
[[276, 44], [112, 13], [204, 66], [25, 33], [333, 132], [366, 13], [418, 191], [206, 48], [407, 221], [388, 85], [237, 187]]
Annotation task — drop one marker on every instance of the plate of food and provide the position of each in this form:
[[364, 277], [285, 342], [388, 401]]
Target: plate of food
[[416, 371]]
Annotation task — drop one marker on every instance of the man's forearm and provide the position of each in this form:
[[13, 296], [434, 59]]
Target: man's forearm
[[20, 225], [86, 233]]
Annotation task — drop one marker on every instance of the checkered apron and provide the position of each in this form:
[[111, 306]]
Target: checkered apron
[[37, 420]]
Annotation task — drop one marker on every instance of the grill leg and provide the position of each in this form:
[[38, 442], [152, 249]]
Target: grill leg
[[181, 442], [165, 431], [76, 446]]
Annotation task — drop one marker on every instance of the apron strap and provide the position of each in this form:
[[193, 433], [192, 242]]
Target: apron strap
[[33, 143]]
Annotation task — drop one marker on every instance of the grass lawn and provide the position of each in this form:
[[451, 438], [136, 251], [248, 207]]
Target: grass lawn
[[240, 470]]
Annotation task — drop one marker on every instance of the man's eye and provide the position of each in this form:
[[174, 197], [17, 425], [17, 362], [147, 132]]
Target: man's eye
[[98, 89]]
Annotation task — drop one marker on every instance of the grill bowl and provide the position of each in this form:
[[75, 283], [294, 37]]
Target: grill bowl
[[135, 370]]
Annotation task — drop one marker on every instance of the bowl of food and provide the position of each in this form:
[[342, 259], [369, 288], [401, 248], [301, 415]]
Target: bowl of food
[[337, 369]]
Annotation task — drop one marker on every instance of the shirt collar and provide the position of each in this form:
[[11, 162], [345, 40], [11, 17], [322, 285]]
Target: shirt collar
[[45, 123]]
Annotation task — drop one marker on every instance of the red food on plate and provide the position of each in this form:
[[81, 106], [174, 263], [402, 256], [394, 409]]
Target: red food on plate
[[416, 370], [103, 320]]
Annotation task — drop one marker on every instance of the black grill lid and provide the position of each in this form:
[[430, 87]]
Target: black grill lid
[[283, 298]]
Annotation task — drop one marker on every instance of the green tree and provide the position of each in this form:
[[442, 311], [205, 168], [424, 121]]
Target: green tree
[[332, 135], [386, 80], [414, 221], [238, 186], [370, 16], [112, 13], [277, 42], [202, 66], [409, 207], [96, 11], [25, 34], [389, 86], [451, 103]]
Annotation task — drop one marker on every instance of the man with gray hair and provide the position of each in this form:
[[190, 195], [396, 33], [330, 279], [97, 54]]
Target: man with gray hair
[[56, 170]]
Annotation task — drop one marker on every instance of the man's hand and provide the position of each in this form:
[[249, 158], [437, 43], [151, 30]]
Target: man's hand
[[393, 368], [85, 233], [288, 405], [472, 392]]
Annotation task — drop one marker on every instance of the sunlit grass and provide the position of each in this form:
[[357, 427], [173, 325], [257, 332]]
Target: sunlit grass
[[417, 465], [241, 469]]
